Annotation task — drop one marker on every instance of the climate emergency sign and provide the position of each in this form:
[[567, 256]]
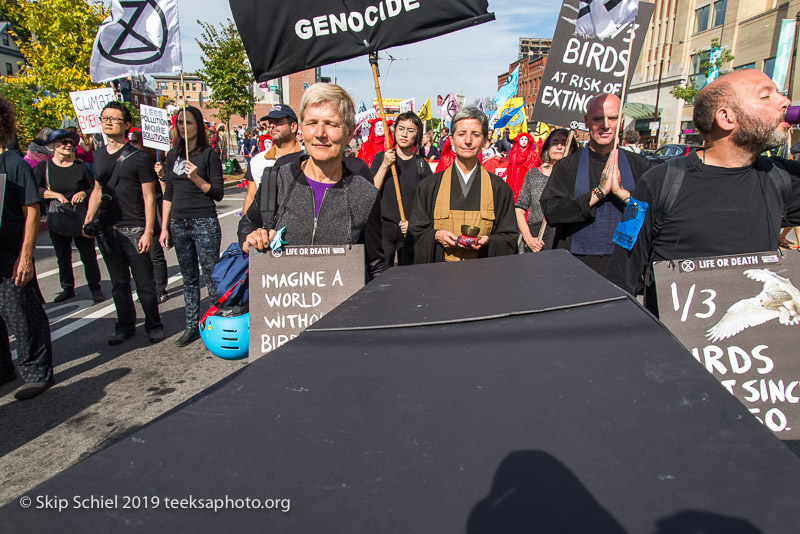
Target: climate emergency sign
[[292, 289], [155, 127], [88, 105], [579, 68]]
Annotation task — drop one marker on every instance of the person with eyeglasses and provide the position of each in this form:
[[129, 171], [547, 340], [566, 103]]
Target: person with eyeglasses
[[62, 179], [411, 169], [128, 222]]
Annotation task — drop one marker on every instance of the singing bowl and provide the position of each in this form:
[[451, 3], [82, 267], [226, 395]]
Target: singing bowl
[[470, 231]]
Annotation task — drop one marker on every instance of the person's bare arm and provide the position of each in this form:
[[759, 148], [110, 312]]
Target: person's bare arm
[[249, 196], [149, 195], [23, 267]]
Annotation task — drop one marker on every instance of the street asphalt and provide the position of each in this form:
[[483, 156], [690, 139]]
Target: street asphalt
[[102, 392]]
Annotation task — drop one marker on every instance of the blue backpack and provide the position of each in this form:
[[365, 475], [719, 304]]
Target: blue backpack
[[230, 277]]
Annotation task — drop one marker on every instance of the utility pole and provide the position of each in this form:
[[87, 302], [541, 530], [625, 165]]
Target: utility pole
[[658, 94]]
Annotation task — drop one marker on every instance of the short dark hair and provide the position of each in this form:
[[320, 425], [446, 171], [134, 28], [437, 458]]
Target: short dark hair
[[411, 116], [709, 101], [202, 139], [8, 121], [119, 106], [631, 137]]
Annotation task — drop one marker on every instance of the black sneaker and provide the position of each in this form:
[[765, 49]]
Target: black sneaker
[[119, 337], [189, 335], [156, 336], [32, 389], [97, 295], [64, 295]]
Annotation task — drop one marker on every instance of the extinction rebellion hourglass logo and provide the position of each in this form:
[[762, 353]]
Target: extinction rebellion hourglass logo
[[131, 46]]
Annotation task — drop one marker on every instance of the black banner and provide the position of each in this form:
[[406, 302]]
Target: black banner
[[285, 37], [579, 68], [739, 316]]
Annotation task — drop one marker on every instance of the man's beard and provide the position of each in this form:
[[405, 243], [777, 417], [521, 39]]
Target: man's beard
[[756, 135]]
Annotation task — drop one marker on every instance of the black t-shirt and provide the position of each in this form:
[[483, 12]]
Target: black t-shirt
[[65, 180], [409, 176], [20, 190], [718, 211], [127, 205], [188, 201]]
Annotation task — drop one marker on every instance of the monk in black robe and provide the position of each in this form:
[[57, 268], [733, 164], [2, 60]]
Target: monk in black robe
[[463, 194]]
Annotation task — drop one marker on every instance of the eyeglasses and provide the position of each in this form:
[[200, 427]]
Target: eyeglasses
[[66, 142], [111, 120], [401, 129]]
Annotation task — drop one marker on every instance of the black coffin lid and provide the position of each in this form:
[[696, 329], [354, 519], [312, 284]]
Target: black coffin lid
[[584, 418]]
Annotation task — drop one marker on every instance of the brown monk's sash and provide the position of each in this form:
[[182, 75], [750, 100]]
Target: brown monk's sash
[[451, 220]]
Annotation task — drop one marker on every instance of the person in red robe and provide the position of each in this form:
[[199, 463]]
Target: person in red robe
[[446, 155], [375, 141], [522, 158]]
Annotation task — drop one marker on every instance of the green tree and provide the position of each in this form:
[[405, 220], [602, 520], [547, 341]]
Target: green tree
[[226, 70], [687, 91], [55, 37]]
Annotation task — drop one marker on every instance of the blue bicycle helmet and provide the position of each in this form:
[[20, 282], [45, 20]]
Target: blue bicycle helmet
[[226, 336]]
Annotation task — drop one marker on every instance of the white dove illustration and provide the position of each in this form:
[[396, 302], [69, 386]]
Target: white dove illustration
[[779, 299]]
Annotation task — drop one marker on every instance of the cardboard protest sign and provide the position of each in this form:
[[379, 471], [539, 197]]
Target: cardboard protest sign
[[739, 316], [88, 105], [579, 68], [293, 288], [155, 127], [407, 105], [309, 33]]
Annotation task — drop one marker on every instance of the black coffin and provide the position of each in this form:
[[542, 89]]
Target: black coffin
[[567, 408]]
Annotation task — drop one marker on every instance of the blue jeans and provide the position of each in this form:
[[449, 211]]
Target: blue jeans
[[196, 239]]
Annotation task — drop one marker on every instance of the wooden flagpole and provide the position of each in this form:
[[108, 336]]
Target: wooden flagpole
[[373, 60], [570, 137], [185, 136], [625, 83]]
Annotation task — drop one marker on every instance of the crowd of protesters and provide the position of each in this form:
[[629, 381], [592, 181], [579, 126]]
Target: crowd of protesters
[[304, 180]]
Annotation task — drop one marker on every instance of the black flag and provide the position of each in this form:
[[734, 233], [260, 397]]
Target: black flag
[[284, 37]]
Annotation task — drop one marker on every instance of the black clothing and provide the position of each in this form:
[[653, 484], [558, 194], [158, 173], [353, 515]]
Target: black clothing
[[568, 214], [188, 201], [21, 190], [408, 174], [127, 205], [62, 244], [123, 264], [432, 152], [65, 180], [719, 211], [420, 238]]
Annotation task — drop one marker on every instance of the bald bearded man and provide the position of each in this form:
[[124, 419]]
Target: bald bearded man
[[731, 200], [586, 194]]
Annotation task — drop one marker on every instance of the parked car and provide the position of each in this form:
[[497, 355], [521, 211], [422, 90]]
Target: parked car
[[666, 152]]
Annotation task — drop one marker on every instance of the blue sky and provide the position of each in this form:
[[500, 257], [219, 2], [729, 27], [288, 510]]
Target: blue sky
[[467, 61]]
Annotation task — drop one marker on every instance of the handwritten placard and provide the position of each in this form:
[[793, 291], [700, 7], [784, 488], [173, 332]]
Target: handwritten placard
[[739, 316], [155, 127], [88, 105], [292, 289]]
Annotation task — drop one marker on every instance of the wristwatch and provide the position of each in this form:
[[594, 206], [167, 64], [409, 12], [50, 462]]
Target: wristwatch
[[599, 192]]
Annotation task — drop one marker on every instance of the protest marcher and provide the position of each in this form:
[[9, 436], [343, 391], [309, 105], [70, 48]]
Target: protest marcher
[[249, 147], [21, 302], [731, 200], [282, 123], [68, 182], [586, 192], [522, 158], [504, 144], [375, 143], [160, 272], [630, 142], [463, 194], [428, 150], [239, 133], [411, 169], [319, 199], [126, 222], [37, 151], [190, 214], [553, 150], [446, 156], [85, 151]]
